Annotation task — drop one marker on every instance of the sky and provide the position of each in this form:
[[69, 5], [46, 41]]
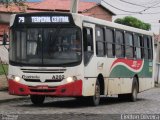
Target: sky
[[146, 10]]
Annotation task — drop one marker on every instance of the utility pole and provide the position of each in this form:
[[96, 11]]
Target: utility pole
[[74, 6]]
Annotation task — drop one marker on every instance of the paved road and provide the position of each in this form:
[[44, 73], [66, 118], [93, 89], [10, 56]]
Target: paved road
[[70, 108]]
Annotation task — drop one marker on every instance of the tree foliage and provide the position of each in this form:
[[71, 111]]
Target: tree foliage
[[133, 22]]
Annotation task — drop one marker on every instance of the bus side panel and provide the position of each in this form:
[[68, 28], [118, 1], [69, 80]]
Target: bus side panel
[[113, 86], [149, 83], [88, 87], [142, 86], [126, 85], [146, 80], [119, 85]]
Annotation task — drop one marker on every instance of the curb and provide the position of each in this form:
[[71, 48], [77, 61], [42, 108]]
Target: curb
[[4, 89], [6, 97], [13, 99]]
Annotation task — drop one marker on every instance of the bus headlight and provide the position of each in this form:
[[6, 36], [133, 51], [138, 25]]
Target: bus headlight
[[15, 78], [71, 79]]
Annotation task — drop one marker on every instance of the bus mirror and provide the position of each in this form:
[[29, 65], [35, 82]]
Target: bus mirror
[[4, 41]]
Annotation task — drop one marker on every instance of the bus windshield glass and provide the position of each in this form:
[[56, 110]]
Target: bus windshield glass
[[45, 46]]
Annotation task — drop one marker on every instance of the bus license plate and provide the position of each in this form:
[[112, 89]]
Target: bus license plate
[[42, 87]]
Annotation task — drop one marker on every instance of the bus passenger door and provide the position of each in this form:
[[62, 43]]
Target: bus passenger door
[[87, 44], [88, 58]]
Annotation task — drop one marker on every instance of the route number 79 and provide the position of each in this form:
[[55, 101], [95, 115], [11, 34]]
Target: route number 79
[[21, 20]]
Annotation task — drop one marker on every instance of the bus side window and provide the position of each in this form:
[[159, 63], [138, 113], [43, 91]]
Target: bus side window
[[138, 46], [146, 47], [87, 44], [110, 44], [150, 49], [129, 45], [100, 41], [120, 50]]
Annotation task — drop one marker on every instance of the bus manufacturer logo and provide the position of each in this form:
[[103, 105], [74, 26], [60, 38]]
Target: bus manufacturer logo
[[30, 77]]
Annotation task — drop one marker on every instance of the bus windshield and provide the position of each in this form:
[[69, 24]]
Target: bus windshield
[[45, 46]]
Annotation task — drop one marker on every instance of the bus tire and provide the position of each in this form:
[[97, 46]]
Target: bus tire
[[37, 99], [95, 99], [133, 95]]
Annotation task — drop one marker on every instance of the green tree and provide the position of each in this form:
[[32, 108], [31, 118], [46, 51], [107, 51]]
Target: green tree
[[133, 22]]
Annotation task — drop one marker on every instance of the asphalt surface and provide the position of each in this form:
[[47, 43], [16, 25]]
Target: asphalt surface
[[147, 107]]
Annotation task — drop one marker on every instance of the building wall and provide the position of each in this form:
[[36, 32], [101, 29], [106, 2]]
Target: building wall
[[157, 59], [4, 27], [99, 12], [4, 23], [157, 47], [158, 52], [4, 17]]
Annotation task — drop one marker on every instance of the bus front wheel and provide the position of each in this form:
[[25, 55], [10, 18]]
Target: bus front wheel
[[95, 99], [37, 99]]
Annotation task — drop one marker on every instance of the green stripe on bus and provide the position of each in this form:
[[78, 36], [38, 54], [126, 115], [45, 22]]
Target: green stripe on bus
[[121, 71]]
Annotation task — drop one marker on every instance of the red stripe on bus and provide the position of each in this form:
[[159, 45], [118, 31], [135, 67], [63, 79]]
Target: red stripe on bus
[[134, 64], [70, 89]]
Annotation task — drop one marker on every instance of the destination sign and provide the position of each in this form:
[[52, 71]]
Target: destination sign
[[44, 19], [50, 19]]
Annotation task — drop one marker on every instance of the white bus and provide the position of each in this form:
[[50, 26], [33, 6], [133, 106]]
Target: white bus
[[71, 55]]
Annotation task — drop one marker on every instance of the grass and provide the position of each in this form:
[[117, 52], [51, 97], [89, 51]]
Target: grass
[[5, 66]]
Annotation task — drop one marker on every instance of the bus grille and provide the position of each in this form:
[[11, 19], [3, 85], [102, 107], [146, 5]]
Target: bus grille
[[38, 80], [42, 90], [47, 71], [32, 80], [50, 80]]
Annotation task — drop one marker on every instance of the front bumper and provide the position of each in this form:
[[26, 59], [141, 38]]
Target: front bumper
[[70, 89]]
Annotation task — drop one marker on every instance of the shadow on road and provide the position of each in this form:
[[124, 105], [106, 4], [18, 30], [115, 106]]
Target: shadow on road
[[80, 103]]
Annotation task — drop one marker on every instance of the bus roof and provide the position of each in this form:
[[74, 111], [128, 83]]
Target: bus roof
[[97, 21], [88, 19]]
